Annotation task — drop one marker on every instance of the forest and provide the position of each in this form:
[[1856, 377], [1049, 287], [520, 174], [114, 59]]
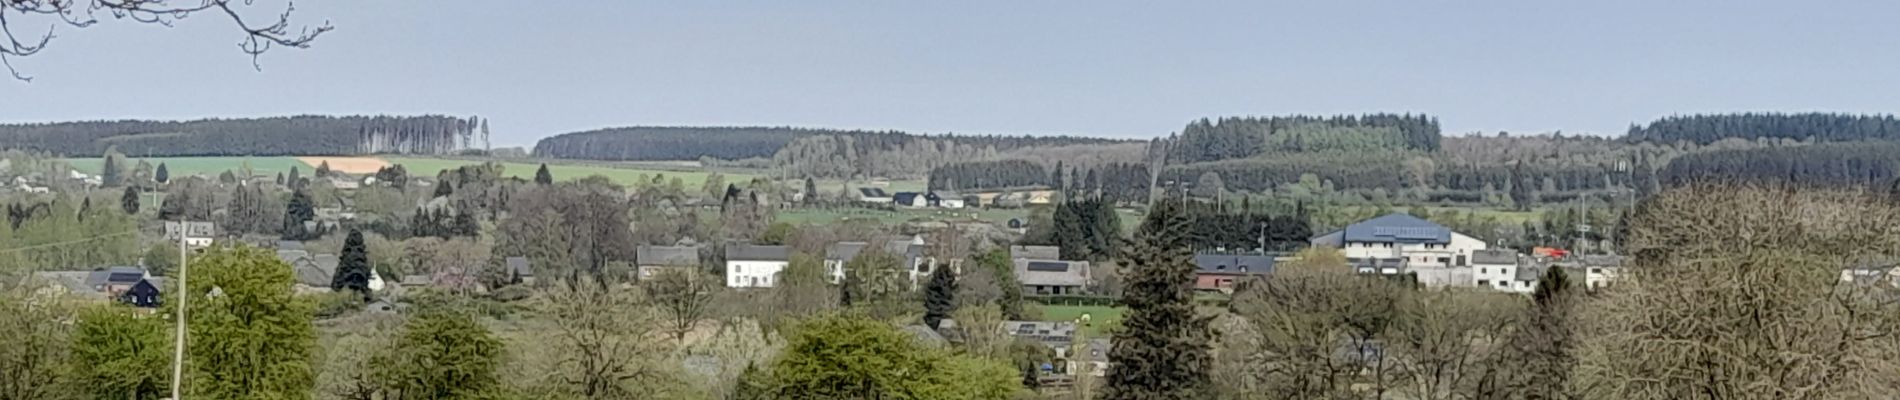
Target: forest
[[1819, 127], [1243, 137], [297, 135], [1853, 164]]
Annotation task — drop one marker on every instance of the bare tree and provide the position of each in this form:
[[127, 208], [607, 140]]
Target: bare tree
[[683, 297], [603, 340], [259, 35], [1737, 293]]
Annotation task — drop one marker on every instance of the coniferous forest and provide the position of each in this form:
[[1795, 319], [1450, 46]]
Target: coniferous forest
[[297, 135]]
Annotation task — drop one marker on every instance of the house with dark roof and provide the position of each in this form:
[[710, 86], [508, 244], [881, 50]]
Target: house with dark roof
[[1052, 277], [144, 294], [1221, 271], [654, 259], [754, 266], [839, 254], [520, 267], [1035, 252], [1497, 269], [1393, 243], [910, 199]]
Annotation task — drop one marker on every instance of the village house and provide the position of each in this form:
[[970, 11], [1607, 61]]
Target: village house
[[521, 268], [1052, 277], [873, 195], [1221, 271], [839, 254], [753, 266], [196, 234], [126, 284], [652, 260], [1396, 242], [1497, 269]]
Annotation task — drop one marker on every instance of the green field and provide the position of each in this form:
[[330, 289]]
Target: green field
[[691, 179], [1101, 318], [182, 166]]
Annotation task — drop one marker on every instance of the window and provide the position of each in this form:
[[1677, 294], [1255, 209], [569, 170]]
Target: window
[[1483, 271], [1387, 245], [1596, 270], [1482, 282], [1444, 260], [1220, 268]]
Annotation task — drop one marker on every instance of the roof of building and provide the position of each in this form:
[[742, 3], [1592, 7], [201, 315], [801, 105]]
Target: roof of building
[[1494, 257], [904, 248], [844, 251], [872, 192], [289, 245], [1042, 330], [1052, 273], [747, 252], [1097, 350], [904, 197], [1395, 228], [315, 271], [669, 256], [73, 281], [1035, 252], [519, 266], [1234, 263], [115, 276], [416, 280]]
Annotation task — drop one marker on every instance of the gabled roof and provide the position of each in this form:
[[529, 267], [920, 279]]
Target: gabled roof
[[1052, 273], [872, 192], [904, 197], [1395, 228], [904, 248], [1494, 257], [669, 256], [844, 251], [746, 252], [1234, 264], [115, 276]]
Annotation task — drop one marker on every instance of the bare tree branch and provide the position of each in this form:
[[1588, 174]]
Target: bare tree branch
[[258, 38]]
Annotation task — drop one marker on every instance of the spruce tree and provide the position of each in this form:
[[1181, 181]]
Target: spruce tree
[[939, 296], [300, 209], [295, 180], [542, 176], [163, 175], [1161, 351], [130, 201], [280, 177], [465, 225], [811, 191], [112, 174], [323, 170], [1544, 344], [443, 189], [352, 269]]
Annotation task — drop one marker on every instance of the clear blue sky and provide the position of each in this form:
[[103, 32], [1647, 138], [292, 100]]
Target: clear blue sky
[[1128, 69]]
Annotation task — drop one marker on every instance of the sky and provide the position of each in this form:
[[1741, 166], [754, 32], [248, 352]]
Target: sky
[[1132, 69]]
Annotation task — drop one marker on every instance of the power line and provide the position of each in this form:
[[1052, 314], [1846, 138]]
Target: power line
[[134, 231]]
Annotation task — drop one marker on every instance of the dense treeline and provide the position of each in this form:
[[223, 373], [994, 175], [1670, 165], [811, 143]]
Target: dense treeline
[[1216, 226], [903, 156], [298, 135], [1244, 137], [988, 175], [1826, 127], [1832, 164], [1347, 170], [801, 149]]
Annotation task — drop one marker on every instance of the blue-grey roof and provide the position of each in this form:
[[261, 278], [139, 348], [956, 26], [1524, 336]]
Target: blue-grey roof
[[904, 197], [1396, 228], [1234, 264]]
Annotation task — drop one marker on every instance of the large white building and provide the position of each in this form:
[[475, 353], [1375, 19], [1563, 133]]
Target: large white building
[[749, 266], [1399, 241]]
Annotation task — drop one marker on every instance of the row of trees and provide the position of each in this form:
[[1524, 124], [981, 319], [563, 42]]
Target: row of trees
[[1862, 164], [299, 135], [1817, 127], [1245, 137]]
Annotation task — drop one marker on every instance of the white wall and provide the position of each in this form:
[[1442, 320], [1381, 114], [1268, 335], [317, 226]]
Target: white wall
[[1416, 254], [743, 274], [1494, 276]]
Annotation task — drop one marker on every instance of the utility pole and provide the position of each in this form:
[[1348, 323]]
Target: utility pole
[[182, 293]]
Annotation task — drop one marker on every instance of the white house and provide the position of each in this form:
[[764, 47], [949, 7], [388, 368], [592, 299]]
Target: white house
[[750, 266], [1402, 239], [196, 234], [1497, 269], [873, 195], [838, 255]]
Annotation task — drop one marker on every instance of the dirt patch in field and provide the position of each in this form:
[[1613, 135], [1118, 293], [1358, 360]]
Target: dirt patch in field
[[348, 165]]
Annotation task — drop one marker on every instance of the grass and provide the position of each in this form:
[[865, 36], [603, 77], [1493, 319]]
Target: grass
[[182, 166], [1101, 318]]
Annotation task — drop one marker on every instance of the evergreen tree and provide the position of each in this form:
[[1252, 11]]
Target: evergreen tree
[[443, 189], [130, 201], [112, 174], [163, 175], [811, 191], [280, 177], [421, 224], [300, 209], [352, 269], [542, 176], [465, 225], [1161, 351], [1520, 188], [1544, 344], [295, 180], [1055, 178], [1070, 231], [323, 169], [939, 296]]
